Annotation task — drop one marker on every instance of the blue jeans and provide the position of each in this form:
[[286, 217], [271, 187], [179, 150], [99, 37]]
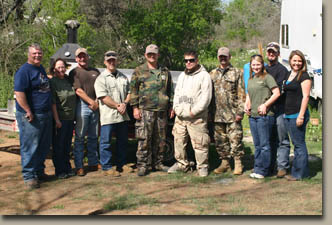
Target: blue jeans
[[62, 138], [300, 165], [280, 144], [87, 122], [35, 142], [261, 128], [121, 131]]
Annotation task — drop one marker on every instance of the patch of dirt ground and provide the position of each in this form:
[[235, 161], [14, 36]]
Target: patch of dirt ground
[[156, 194]]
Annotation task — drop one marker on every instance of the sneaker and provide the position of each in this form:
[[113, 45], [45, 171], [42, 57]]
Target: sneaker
[[142, 171], [176, 168], [62, 176], [203, 172], [161, 167], [71, 173], [80, 172], [32, 184], [281, 173], [256, 176]]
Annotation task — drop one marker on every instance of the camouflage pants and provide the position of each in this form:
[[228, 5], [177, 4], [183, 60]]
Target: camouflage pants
[[151, 133], [197, 130], [228, 139]]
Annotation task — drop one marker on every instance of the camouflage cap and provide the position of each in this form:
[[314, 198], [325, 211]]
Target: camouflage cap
[[274, 46], [223, 51], [110, 55], [152, 49], [81, 50]]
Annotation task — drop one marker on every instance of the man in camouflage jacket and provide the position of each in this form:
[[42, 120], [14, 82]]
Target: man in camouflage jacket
[[152, 93], [226, 111]]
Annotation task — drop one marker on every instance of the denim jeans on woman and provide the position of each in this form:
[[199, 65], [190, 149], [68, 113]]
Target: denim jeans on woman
[[121, 132], [35, 142], [261, 128], [300, 165], [86, 124], [62, 139]]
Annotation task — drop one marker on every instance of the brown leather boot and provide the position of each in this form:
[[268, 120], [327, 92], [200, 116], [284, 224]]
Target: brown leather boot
[[223, 167], [238, 168]]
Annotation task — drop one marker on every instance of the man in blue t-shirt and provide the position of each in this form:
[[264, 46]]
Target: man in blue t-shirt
[[33, 115]]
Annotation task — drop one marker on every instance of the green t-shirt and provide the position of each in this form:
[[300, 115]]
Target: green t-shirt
[[259, 90], [63, 95]]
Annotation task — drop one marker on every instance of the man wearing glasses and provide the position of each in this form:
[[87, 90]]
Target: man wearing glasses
[[151, 89], [192, 97], [87, 113], [227, 109], [112, 91]]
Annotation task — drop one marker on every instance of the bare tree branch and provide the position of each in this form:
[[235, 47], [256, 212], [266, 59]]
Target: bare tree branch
[[5, 17]]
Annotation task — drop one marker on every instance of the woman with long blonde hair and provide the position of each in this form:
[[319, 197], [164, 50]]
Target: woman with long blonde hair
[[263, 91]]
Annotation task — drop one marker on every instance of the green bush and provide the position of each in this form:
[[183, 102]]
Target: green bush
[[6, 89]]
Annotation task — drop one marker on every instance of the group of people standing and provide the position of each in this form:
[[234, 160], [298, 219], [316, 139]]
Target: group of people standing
[[81, 101]]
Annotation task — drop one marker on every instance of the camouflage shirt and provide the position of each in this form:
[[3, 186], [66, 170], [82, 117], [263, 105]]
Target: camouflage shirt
[[151, 90], [228, 94]]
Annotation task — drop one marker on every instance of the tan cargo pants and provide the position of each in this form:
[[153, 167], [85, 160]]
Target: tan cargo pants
[[197, 130]]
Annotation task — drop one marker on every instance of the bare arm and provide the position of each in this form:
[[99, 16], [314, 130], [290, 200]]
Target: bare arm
[[22, 101], [306, 86], [262, 109], [247, 105], [56, 116]]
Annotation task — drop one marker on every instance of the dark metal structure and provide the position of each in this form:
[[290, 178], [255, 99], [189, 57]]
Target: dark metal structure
[[67, 51]]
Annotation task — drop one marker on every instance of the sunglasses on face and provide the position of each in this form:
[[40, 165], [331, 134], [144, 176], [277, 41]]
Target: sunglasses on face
[[189, 60]]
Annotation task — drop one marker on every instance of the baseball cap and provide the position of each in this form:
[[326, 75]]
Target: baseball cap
[[223, 51], [110, 55], [81, 50], [274, 46], [152, 49]]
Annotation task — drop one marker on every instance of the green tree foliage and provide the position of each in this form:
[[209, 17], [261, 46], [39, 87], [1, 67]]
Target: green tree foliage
[[173, 25], [247, 22], [23, 22]]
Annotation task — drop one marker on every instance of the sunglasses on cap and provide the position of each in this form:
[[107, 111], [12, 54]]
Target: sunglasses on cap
[[110, 54], [189, 60], [272, 45], [253, 56]]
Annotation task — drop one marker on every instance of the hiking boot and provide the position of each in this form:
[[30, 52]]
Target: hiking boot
[[203, 172], [80, 172], [291, 178], [94, 168], [128, 168], [44, 177], [112, 172], [142, 171], [281, 173], [238, 168], [223, 167], [31, 184], [176, 168], [162, 168]]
